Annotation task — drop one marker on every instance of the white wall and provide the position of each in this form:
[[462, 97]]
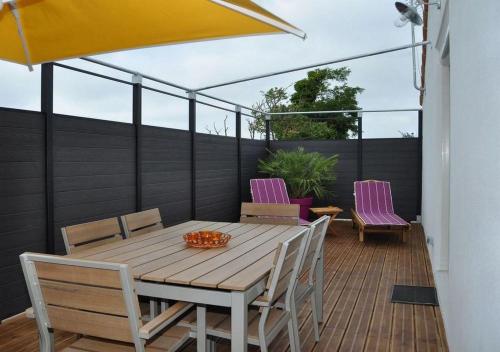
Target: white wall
[[467, 267]]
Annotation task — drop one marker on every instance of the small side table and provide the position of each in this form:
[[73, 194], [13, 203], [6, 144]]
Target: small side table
[[330, 211]]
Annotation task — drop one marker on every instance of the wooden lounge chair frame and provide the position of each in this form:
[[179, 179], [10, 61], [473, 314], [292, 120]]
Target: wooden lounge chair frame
[[363, 227]]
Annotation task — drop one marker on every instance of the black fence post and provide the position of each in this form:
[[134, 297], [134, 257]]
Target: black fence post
[[360, 147], [238, 150], [137, 121], [419, 161], [192, 130], [47, 107], [268, 132]]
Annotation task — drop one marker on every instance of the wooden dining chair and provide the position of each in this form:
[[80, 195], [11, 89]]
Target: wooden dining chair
[[142, 222], [276, 214], [265, 320], [91, 234], [96, 301]]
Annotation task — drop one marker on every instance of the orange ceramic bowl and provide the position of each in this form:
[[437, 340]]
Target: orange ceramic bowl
[[206, 239]]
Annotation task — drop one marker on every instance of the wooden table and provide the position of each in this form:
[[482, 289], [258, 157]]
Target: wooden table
[[233, 276], [331, 211]]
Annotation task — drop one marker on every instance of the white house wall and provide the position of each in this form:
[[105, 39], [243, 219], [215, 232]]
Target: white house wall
[[467, 269]]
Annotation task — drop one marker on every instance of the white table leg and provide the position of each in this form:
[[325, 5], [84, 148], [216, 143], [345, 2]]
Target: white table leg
[[201, 328], [239, 322], [319, 285]]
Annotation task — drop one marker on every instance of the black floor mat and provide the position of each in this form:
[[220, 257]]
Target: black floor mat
[[414, 295]]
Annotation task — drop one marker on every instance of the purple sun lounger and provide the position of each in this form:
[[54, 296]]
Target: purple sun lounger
[[271, 191], [374, 209]]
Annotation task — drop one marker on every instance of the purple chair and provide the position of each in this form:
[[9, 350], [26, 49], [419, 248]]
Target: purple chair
[[271, 191], [374, 209]]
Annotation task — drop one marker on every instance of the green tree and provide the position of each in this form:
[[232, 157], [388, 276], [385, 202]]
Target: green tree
[[316, 92]]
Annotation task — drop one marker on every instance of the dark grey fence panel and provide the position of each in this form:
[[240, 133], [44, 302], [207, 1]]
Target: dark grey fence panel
[[395, 160], [251, 152], [166, 173], [22, 206], [94, 174], [216, 178], [346, 169]]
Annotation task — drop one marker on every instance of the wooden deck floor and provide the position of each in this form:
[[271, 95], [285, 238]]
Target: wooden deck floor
[[358, 313]]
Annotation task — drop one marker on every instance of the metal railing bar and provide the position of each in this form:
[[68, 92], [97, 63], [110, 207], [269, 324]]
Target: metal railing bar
[[164, 92], [171, 84], [132, 72], [72, 68], [341, 111], [227, 101], [324, 63], [215, 106]]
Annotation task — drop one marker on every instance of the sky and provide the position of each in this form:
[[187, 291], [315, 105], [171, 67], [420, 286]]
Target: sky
[[335, 29]]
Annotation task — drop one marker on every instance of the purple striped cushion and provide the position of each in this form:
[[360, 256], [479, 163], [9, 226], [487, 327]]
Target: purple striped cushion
[[374, 203], [269, 190]]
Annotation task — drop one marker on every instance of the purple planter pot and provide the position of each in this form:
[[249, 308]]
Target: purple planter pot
[[305, 204]]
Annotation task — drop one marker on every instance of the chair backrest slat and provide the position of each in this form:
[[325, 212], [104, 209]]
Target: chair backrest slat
[[269, 190], [91, 234], [277, 214], [142, 222], [286, 266], [90, 323], [83, 297], [372, 196]]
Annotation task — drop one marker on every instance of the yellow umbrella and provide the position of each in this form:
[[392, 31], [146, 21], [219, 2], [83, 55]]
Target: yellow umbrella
[[37, 31]]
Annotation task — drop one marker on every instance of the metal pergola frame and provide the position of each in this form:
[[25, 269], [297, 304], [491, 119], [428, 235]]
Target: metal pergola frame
[[198, 91]]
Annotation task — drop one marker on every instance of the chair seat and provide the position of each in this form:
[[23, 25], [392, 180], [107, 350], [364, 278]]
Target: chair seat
[[382, 219], [219, 323], [170, 340]]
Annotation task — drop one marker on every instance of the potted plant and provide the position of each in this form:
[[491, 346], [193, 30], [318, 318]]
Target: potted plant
[[305, 174]]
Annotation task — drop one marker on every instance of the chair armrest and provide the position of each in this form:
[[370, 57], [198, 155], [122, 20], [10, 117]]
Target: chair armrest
[[164, 319], [261, 301]]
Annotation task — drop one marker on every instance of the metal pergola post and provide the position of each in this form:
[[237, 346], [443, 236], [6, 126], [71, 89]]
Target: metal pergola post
[[360, 147], [238, 150], [192, 131], [137, 121], [47, 108], [419, 161], [268, 132]]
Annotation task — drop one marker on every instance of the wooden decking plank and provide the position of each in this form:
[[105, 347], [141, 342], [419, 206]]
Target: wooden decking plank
[[403, 331], [426, 328], [379, 334], [344, 307], [357, 330], [343, 266], [348, 250], [332, 254]]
